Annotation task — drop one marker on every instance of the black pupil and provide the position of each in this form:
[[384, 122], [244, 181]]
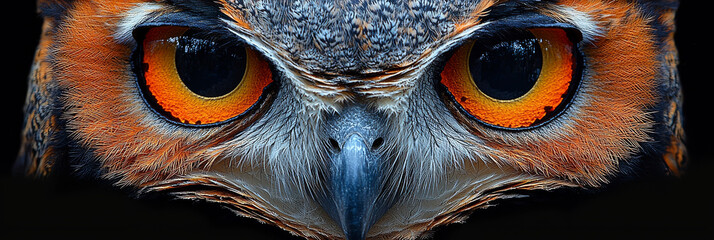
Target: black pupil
[[207, 69], [506, 70]]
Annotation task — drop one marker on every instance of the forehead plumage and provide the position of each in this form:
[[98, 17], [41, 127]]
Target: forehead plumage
[[353, 36]]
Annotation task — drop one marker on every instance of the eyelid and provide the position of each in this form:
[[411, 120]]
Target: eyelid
[[207, 26], [495, 28], [180, 18]]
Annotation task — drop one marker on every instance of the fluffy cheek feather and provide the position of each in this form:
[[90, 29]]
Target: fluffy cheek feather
[[105, 111], [608, 119]]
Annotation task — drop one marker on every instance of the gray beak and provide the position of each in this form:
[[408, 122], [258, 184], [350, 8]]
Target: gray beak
[[354, 196]]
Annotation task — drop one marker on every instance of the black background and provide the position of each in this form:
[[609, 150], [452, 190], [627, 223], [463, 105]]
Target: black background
[[679, 208]]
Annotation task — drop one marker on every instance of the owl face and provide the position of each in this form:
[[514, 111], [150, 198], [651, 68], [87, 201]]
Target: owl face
[[354, 119]]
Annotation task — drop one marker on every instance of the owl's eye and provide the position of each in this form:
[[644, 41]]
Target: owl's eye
[[198, 80], [515, 82]]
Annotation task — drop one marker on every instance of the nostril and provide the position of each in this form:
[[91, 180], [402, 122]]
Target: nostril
[[377, 143], [334, 144]]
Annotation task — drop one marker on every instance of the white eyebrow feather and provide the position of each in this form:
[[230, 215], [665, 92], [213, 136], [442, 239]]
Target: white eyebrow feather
[[133, 18], [583, 21]]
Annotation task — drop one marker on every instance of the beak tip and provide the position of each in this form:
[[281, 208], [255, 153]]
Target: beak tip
[[355, 234]]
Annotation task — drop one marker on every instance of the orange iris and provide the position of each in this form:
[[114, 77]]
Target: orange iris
[[164, 81], [547, 93]]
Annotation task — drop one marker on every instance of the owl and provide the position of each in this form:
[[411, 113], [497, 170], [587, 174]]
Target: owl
[[369, 119]]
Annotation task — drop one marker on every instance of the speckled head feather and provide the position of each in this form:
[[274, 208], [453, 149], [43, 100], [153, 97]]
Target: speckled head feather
[[353, 84]]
